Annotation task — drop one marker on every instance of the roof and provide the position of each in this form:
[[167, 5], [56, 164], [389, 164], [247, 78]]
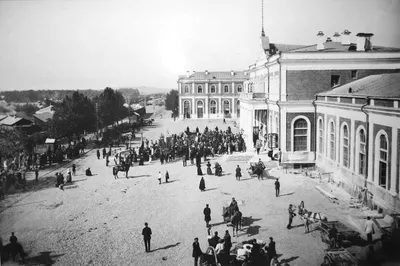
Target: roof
[[339, 47], [284, 48], [380, 86], [216, 75], [44, 116], [12, 120], [48, 109], [2, 117], [50, 141]]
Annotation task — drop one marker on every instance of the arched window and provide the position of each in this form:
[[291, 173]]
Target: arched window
[[213, 89], [345, 146], [361, 152], [300, 136], [320, 136], [239, 88], [213, 107], [199, 89], [186, 107], [226, 107], [226, 88], [238, 108], [332, 140], [186, 89], [383, 161]]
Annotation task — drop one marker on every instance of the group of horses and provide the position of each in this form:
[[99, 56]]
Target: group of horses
[[233, 217]]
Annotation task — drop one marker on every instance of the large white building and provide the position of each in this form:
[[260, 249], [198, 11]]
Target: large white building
[[279, 99], [210, 95]]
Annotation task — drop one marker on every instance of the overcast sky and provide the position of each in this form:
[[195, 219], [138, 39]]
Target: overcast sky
[[78, 44]]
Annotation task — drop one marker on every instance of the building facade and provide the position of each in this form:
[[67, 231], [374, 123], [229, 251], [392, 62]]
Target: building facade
[[211, 95], [278, 102], [358, 137]]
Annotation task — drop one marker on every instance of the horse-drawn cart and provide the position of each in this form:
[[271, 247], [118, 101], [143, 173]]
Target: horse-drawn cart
[[346, 236], [339, 257]]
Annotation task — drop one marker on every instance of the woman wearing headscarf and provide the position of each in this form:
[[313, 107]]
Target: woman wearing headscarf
[[202, 185]]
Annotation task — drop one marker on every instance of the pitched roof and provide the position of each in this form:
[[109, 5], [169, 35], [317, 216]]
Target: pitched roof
[[238, 75], [44, 116], [2, 117], [284, 48], [12, 120], [48, 109], [381, 86], [339, 47]]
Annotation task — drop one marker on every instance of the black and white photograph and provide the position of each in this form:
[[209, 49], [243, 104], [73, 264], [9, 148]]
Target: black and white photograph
[[199, 132]]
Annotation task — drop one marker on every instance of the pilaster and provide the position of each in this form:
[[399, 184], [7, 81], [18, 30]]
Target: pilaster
[[394, 161]]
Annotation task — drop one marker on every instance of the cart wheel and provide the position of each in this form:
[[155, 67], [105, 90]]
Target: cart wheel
[[327, 261]]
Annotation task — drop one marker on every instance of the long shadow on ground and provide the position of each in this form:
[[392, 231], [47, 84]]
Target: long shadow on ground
[[43, 259], [166, 247], [247, 221]]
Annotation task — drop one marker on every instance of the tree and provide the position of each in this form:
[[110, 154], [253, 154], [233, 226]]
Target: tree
[[73, 116], [172, 101], [12, 141], [111, 106], [28, 109]]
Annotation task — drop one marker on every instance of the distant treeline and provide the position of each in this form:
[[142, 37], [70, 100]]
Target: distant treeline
[[40, 95]]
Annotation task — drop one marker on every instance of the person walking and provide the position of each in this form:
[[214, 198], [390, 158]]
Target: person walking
[[199, 171], [196, 251], [73, 169], [104, 153], [159, 177], [166, 177], [202, 185], [146, 232], [98, 154], [291, 216], [184, 162], [369, 229], [207, 215], [37, 174], [238, 173], [277, 187]]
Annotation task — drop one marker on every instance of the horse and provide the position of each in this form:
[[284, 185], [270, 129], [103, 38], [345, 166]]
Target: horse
[[121, 168], [14, 249], [312, 217]]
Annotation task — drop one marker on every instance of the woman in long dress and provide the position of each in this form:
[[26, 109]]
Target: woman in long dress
[[209, 172], [199, 171], [202, 185]]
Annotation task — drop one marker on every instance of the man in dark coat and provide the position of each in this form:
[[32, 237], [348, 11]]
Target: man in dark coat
[[271, 248], [146, 232], [199, 171], [202, 185], [209, 172], [277, 187], [238, 173], [196, 251], [98, 154], [207, 215], [228, 242], [291, 216]]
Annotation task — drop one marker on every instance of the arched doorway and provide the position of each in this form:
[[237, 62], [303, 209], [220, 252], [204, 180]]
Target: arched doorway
[[227, 109], [200, 109], [186, 109]]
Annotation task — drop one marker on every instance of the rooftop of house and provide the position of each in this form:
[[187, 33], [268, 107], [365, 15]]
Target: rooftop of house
[[379, 86], [44, 117], [217, 75], [11, 120], [335, 47], [48, 109]]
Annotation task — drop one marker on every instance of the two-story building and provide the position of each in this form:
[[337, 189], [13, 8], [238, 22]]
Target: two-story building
[[210, 95], [358, 137], [278, 98]]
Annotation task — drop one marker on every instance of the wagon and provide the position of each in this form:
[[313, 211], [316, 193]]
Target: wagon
[[346, 236], [209, 258], [339, 257]]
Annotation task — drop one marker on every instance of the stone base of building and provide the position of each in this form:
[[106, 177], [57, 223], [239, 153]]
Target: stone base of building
[[382, 200]]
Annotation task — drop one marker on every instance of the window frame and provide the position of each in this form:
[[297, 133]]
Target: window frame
[[333, 84], [211, 89], [226, 88], [383, 162], [186, 89], [354, 74], [332, 140], [320, 135], [360, 151], [345, 143], [199, 87], [307, 135], [211, 107], [239, 88]]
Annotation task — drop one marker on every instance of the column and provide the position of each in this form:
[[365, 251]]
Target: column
[[233, 87], [219, 87], [193, 88], [221, 111], [352, 142], [206, 89], [337, 136], [394, 161], [193, 111], [206, 99], [179, 88], [370, 162]]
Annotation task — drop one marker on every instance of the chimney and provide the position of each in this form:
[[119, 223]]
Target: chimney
[[320, 40], [328, 39], [336, 37], [346, 37], [232, 73], [206, 72], [187, 74]]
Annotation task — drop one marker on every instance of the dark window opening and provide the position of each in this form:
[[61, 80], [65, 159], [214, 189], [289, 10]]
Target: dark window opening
[[354, 74], [335, 80]]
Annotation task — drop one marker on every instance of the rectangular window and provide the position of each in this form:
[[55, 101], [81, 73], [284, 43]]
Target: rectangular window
[[335, 80], [382, 174], [346, 156], [354, 74], [300, 143], [362, 164]]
